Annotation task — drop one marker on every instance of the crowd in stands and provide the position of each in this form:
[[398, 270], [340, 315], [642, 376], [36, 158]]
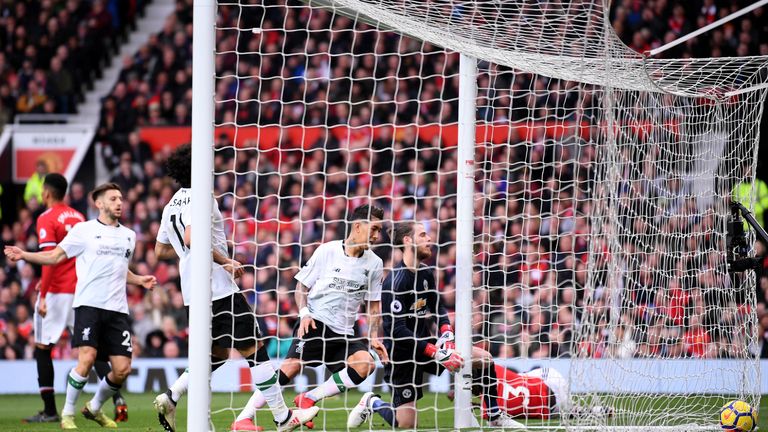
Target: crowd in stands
[[53, 50], [533, 242]]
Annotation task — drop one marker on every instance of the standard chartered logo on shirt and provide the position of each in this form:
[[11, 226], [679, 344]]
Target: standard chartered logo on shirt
[[112, 251], [346, 285]]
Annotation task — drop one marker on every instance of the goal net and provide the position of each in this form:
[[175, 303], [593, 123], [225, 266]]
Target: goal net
[[602, 188]]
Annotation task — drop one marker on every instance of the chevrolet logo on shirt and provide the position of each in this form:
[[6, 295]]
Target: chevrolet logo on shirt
[[419, 304]]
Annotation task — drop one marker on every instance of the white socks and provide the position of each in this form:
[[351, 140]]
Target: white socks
[[75, 384], [255, 402], [179, 387], [104, 392], [337, 383], [265, 378]]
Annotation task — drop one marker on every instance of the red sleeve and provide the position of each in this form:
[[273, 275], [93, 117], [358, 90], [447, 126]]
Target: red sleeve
[[46, 239], [504, 374], [46, 232]]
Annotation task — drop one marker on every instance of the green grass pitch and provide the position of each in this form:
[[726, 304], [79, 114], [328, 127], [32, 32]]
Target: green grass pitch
[[436, 413], [142, 417]]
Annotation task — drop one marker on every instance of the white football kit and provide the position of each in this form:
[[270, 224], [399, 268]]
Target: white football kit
[[176, 217], [339, 284], [103, 253]]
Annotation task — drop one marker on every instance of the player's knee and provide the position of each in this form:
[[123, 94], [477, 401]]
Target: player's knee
[[87, 358], [362, 363], [406, 420], [290, 367]]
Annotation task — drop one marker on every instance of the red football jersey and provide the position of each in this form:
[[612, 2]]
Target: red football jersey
[[52, 226], [522, 395]]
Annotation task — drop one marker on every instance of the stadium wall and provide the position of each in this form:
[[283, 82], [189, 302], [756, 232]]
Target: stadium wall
[[696, 376]]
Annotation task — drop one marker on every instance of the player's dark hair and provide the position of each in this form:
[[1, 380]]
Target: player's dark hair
[[179, 165], [401, 231], [366, 211], [101, 189], [56, 185]]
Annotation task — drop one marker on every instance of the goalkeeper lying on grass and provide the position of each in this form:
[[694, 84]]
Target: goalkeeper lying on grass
[[411, 304]]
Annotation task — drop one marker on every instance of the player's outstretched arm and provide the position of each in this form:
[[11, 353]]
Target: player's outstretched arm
[[305, 318], [147, 281], [50, 257], [374, 324]]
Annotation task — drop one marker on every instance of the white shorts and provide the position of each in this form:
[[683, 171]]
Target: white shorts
[[557, 384], [60, 315]]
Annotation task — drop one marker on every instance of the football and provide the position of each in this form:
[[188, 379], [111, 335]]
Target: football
[[738, 416]]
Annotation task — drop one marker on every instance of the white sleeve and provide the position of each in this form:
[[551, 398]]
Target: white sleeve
[[74, 242], [185, 217], [133, 243], [375, 282], [309, 274], [162, 233]]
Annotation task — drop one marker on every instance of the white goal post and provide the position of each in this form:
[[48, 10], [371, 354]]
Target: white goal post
[[577, 192], [204, 20], [463, 416]]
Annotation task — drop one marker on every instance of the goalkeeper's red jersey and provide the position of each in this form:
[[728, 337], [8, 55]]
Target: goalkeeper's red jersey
[[521, 395], [52, 226]]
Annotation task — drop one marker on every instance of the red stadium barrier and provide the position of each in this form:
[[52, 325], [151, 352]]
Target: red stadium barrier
[[304, 137]]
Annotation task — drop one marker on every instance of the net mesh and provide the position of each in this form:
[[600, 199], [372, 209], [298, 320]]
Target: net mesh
[[602, 186]]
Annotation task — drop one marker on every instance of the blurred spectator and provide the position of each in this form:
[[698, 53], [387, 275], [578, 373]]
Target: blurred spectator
[[77, 198], [139, 150], [153, 347], [60, 87], [743, 193], [142, 324], [125, 176], [32, 100], [171, 350], [34, 187], [7, 351]]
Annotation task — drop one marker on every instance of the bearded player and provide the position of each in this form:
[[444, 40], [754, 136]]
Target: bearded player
[[412, 306], [53, 311], [340, 276], [103, 249]]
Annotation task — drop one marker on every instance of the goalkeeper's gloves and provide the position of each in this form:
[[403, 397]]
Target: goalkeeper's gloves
[[447, 338], [448, 358]]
